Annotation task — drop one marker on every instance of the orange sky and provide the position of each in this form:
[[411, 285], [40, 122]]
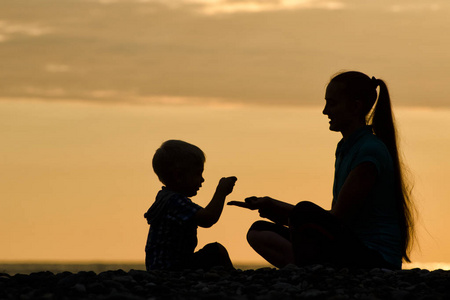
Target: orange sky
[[89, 89], [76, 178]]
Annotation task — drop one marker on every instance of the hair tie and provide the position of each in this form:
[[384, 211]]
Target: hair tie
[[375, 82]]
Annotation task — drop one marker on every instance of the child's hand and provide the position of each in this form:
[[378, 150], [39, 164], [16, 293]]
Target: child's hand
[[225, 186]]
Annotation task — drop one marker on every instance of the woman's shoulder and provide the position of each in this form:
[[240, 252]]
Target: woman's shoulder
[[372, 147], [374, 141], [371, 141]]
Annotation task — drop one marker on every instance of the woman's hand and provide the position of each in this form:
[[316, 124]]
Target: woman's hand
[[262, 204], [269, 208], [252, 203]]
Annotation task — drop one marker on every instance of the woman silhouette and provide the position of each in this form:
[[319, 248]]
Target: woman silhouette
[[370, 223]]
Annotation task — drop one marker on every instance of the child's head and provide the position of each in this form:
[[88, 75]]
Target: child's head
[[177, 164]]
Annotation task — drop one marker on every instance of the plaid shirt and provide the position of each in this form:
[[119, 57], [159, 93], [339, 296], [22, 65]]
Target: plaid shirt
[[172, 237]]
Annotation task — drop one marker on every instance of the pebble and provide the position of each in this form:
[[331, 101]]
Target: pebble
[[290, 282]]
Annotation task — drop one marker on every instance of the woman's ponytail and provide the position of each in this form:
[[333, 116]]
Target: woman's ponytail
[[383, 125]]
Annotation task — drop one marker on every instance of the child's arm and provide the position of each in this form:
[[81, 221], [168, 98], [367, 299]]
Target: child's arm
[[208, 216]]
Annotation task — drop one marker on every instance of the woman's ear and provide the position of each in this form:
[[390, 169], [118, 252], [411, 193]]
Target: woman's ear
[[358, 107]]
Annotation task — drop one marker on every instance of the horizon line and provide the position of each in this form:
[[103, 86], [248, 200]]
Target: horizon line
[[199, 102]]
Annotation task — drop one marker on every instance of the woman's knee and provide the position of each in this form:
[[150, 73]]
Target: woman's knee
[[305, 207], [254, 231], [260, 226], [305, 212], [260, 229], [252, 236]]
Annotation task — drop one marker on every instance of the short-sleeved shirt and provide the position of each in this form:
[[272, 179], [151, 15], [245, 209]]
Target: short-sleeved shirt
[[377, 226], [172, 236]]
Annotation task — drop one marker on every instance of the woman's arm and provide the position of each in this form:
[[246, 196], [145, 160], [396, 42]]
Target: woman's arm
[[276, 211], [357, 186]]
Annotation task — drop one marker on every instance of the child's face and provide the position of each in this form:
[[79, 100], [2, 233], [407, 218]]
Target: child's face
[[191, 181]]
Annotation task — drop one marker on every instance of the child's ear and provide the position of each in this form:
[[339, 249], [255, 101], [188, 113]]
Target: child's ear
[[177, 176]]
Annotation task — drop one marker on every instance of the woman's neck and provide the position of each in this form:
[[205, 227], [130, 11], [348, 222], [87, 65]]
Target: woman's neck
[[351, 129]]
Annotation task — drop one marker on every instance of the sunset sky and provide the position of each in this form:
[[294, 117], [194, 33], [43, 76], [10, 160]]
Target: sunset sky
[[89, 89]]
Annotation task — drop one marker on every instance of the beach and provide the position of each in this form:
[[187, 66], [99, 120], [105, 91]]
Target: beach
[[290, 282]]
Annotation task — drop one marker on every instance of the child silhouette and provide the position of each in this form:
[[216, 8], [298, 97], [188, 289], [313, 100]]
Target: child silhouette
[[174, 218]]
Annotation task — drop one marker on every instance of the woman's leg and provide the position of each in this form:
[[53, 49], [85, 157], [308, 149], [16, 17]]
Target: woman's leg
[[318, 237], [272, 242], [314, 233]]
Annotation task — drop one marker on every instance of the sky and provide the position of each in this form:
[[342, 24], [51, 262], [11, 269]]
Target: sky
[[89, 89], [253, 51]]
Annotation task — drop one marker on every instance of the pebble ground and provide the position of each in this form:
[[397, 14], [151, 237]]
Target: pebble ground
[[291, 282]]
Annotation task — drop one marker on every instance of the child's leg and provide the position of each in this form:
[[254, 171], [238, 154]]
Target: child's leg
[[211, 255], [271, 241], [147, 262]]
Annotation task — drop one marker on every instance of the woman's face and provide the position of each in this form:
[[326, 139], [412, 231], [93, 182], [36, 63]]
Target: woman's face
[[341, 112]]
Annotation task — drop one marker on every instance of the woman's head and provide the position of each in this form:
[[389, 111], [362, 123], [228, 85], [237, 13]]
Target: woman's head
[[350, 97], [357, 86]]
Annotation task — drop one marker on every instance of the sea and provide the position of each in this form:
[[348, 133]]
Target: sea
[[13, 268]]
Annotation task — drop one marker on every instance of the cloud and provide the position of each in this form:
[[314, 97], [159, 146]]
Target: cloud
[[397, 6], [203, 101], [220, 7], [137, 51], [104, 93], [44, 92], [214, 7], [131, 97], [56, 68], [9, 30], [418, 7]]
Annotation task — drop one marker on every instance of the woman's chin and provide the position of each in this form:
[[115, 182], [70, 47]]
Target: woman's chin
[[333, 128]]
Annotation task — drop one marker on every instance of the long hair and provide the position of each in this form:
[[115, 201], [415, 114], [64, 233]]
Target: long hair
[[378, 113]]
